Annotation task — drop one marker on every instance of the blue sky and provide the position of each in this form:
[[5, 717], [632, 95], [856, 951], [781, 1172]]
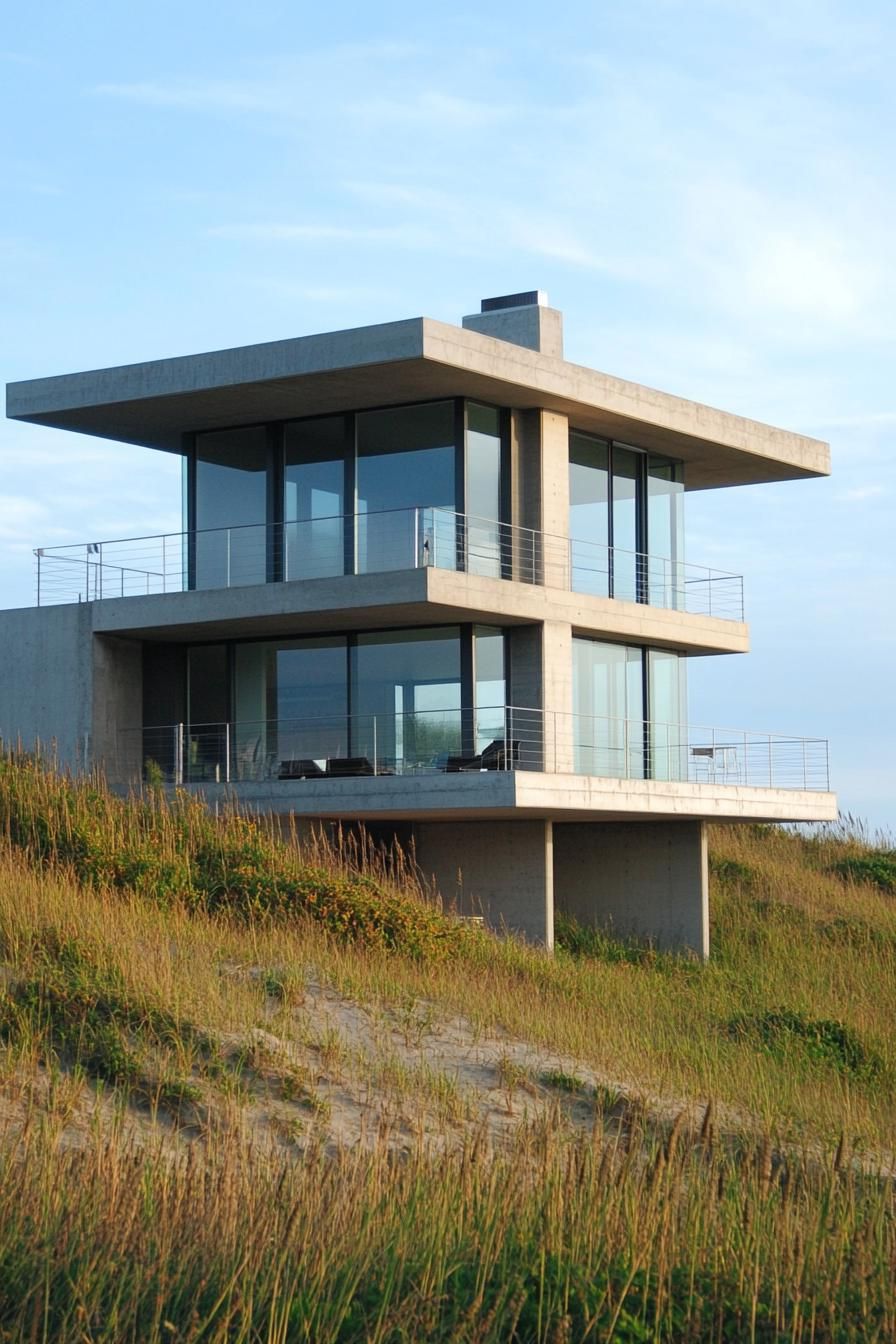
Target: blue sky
[[705, 189]]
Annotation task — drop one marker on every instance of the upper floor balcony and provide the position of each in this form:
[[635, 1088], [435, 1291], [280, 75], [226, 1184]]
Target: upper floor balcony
[[378, 543]]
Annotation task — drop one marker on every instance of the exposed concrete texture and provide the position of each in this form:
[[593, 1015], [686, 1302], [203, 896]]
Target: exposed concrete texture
[[554, 484], [46, 680], [503, 795], [500, 869], [417, 359], [117, 695], [425, 596], [646, 879], [534, 326]]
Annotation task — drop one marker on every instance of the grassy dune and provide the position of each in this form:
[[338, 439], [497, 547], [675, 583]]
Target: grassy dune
[[703, 1156]]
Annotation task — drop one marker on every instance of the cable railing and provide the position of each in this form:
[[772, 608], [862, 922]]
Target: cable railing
[[377, 543], [468, 741]]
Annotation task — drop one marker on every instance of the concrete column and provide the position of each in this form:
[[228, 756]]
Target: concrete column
[[557, 696], [539, 488], [502, 870], [644, 879]]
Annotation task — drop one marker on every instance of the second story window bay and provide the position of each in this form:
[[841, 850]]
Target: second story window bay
[[626, 521], [358, 493]]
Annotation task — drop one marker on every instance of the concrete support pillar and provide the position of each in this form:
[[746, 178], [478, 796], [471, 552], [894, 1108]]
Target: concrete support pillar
[[557, 697], [646, 879], [539, 488], [502, 870]]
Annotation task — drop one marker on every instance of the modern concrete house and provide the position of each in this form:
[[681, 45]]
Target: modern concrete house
[[431, 578]]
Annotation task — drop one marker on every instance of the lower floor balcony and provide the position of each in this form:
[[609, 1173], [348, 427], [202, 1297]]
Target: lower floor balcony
[[467, 742]]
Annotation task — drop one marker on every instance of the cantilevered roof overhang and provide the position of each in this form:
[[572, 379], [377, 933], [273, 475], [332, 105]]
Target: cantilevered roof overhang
[[154, 404]]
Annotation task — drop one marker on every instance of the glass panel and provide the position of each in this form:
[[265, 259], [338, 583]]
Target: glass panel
[[406, 461], [231, 494], [668, 714], [626, 475], [491, 686], [608, 732], [313, 498], [589, 516], [665, 533], [406, 698], [291, 705], [208, 709], [483, 535]]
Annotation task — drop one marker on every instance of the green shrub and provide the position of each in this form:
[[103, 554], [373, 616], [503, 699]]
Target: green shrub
[[877, 869], [822, 1040]]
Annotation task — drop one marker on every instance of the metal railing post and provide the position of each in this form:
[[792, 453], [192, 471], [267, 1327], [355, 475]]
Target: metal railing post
[[227, 753], [228, 558], [374, 745], [178, 753], [164, 567], [416, 537], [38, 577]]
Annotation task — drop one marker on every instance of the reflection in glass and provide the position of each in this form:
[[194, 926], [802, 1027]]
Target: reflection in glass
[[290, 703], [231, 494], [313, 498], [626, 480], [665, 533], [608, 705], [589, 514], [490, 685], [207, 712], [667, 684], [406, 461], [406, 697], [483, 484]]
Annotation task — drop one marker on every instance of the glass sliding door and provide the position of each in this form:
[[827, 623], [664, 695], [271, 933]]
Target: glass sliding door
[[290, 704], [406, 488], [406, 697], [482, 542], [665, 533], [489, 678], [627, 466], [208, 710], [608, 700], [667, 730], [231, 499], [314, 498], [589, 514]]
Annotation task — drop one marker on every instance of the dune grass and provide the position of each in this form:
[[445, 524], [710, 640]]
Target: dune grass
[[138, 938]]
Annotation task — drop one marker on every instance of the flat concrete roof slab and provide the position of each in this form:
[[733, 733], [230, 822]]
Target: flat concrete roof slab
[[154, 403]]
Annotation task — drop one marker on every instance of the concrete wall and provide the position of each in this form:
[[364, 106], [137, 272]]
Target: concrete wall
[[46, 680], [645, 879], [117, 698], [500, 869]]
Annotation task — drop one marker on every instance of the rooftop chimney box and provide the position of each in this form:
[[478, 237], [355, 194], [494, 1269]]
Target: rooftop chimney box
[[522, 319]]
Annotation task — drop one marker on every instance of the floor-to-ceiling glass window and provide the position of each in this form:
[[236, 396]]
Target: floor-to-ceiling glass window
[[406, 487], [231, 471], [665, 532], [490, 686], [314, 469], [626, 522], [627, 467], [483, 491], [208, 699], [290, 703], [667, 698], [406, 696], [608, 708], [589, 514], [630, 711]]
